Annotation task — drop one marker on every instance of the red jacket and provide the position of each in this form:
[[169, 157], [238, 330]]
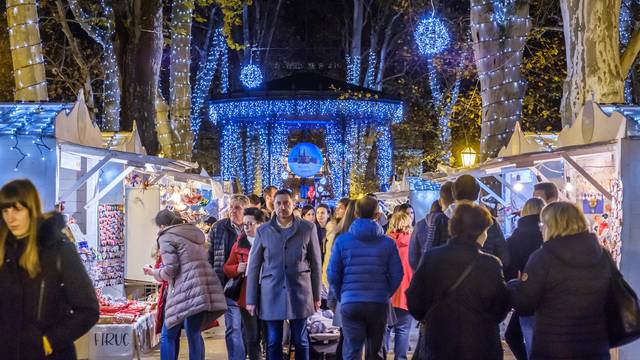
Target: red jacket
[[399, 299], [239, 253]]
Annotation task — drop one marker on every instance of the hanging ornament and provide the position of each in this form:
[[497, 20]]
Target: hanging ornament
[[251, 76], [431, 36]]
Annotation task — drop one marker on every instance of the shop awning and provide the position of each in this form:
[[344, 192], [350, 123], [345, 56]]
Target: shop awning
[[142, 163], [496, 167]]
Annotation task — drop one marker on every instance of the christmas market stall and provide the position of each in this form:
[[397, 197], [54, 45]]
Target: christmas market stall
[[594, 164]]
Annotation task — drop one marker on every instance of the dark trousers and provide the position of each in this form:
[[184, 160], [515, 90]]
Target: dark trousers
[[299, 338], [513, 337], [363, 324], [251, 332]]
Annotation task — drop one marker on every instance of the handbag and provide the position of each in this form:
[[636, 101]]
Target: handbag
[[621, 310], [233, 287]]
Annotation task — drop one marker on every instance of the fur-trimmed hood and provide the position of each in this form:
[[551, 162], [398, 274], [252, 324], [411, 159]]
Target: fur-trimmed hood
[[50, 228]]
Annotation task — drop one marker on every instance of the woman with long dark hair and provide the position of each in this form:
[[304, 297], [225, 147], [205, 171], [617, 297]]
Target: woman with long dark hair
[[48, 300]]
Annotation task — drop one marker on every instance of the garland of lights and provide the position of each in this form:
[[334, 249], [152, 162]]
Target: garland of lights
[[625, 25], [251, 76], [369, 80], [249, 155], [335, 153], [502, 9], [384, 165], [281, 108], [179, 78], [353, 69], [28, 61], [273, 146], [263, 143], [204, 79], [111, 85]]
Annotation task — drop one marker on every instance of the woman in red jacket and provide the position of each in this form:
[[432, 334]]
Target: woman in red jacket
[[400, 232], [236, 266]]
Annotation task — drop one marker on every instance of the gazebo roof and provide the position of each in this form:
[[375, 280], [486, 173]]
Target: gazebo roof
[[306, 95]]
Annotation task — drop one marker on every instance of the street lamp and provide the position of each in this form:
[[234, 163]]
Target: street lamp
[[468, 156]]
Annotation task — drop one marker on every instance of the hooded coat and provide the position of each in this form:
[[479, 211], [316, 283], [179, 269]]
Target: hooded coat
[[283, 274], [364, 265], [565, 283], [465, 325], [59, 303], [193, 286], [524, 240]]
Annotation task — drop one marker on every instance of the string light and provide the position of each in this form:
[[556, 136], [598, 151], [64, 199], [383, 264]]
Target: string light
[[179, 78], [431, 35], [369, 81], [384, 164], [625, 28], [353, 69], [251, 76], [217, 47], [26, 49], [283, 108], [111, 85], [499, 71]]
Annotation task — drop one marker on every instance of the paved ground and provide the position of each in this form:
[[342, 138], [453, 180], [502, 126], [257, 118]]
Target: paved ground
[[216, 349]]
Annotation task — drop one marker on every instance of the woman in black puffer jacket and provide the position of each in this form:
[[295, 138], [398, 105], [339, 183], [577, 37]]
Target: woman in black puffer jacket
[[565, 284], [47, 300]]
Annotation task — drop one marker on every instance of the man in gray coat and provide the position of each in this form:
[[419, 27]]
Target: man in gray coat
[[283, 277]]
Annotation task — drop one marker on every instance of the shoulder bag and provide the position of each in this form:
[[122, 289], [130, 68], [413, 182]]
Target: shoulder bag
[[621, 310]]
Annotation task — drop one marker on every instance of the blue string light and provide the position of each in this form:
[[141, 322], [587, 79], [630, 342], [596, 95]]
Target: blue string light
[[353, 69], [369, 80], [282, 108], [266, 118], [204, 77], [431, 35], [251, 76]]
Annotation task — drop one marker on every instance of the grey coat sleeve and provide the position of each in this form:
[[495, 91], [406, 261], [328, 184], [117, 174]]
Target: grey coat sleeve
[[170, 261], [313, 257], [256, 258]]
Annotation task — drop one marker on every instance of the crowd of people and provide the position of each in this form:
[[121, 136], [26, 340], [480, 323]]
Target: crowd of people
[[268, 270]]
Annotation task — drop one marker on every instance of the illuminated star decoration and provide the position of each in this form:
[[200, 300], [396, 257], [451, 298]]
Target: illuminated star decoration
[[431, 36], [251, 76]]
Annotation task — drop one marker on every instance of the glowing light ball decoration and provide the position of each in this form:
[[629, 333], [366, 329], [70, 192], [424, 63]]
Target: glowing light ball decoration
[[251, 76], [431, 36]]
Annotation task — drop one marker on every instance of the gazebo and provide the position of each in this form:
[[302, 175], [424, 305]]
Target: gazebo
[[256, 126]]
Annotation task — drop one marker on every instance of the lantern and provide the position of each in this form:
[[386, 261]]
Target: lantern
[[468, 157]]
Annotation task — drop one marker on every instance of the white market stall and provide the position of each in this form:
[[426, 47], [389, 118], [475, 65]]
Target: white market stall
[[595, 163]]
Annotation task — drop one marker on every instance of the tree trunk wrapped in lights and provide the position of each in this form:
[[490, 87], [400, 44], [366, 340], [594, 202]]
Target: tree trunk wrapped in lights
[[104, 37], [180, 90], [593, 64], [499, 31], [26, 51]]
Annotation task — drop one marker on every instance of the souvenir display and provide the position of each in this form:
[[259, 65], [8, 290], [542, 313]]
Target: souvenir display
[[111, 245]]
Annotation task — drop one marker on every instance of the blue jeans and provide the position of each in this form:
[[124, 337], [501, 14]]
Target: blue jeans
[[363, 324], [528, 324], [233, 331], [299, 338], [170, 337], [401, 330]]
